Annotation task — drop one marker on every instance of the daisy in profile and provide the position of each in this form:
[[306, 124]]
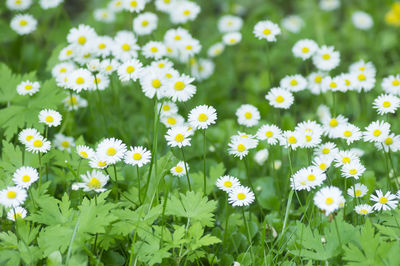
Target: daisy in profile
[[92, 181], [179, 169], [345, 157], [241, 196], [247, 115], [291, 139], [304, 49], [307, 178], [112, 150], [139, 156], [202, 116], [172, 120], [350, 133], [215, 49], [329, 199], [181, 89], [386, 103], [80, 79], [358, 190], [50, 118], [28, 87], [85, 152], [266, 30], [390, 143], [12, 196], [363, 209], [23, 24], [178, 136], [391, 84], [384, 202], [16, 213], [280, 98], [326, 58], [27, 135], [293, 83], [38, 144], [323, 163], [25, 176], [227, 183], [98, 161], [354, 169], [271, 133], [145, 23], [155, 50], [63, 143], [231, 38], [130, 70], [74, 102]]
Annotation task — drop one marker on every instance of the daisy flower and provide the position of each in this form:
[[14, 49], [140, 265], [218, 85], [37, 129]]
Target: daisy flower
[[266, 30], [240, 146], [359, 190], [327, 149], [333, 84], [332, 125], [130, 70], [27, 135], [291, 139], [304, 49], [215, 49], [100, 82], [202, 116], [16, 213], [108, 66], [292, 23], [181, 89], [12, 196], [314, 82], [84, 151], [167, 108], [134, 5], [231, 38], [18, 5], [63, 143], [280, 98], [103, 14], [271, 133], [307, 178], [80, 79], [391, 143], [203, 69], [98, 161], [376, 131], [81, 35], [25, 176], [391, 84], [384, 202], [329, 5], [241, 196], [354, 169], [311, 133], [329, 199], [145, 23], [227, 183], [229, 23], [362, 20], [293, 83], [349, 82], [178, 136], [184, 11], [28, 87], [113, 150], [179, 169], [23, 24], [350, 133], [38, 144], [345, 157], [261, 156], [92, 181], [363, 209], [74, 102], [50, 117], [364, 67], [326, 58], [154, 82], [139, 156], [172, 120], [323, 163], [364, 80], [154, 50], [165, 5], [247, 115], [125, 46], [386, 103]]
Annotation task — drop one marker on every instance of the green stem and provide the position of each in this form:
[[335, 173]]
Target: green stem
[[204, 163], [186, 170], [116, 182], [40, 171], [337, 231], [248, 234], [138, 178]]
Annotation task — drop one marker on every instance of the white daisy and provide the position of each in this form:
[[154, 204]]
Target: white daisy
[[376, 131], [304, 49], [326, 58], [329, 199], [50, 117], [38, 144], [354, 169], [363, 209], [63, 143], [231, 38], [113, 150], [145, 23], [247, 115], [362, 20], [271, 133], [172, 120], [241, 196], [25, 176], [28, 87], [345, 157], [179, 169], [390, 143], [307, 178], [92, 181], [84, 151], [384, 202], [178, 136], [386, 103], [181, 89], [16, 213], [139, 156], [23, 24], [202, 116], [280, 98], [359, 190], [350, 133], [293, 83], [12, 196], [154, 50], [227, 183], [130, 70], [266, 30], [27, 135]]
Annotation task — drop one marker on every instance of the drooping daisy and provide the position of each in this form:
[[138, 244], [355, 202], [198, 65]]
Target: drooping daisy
[[241, 196], [391, 84], [179, 169], [384, 202], [271, 133], [345, 157], [50, 117], [362, 20], [80, 79], [92, 181], [113, 150], [329, 199], [181, 89], [376, 131], [172, 120], [326, 58], [293, 83], [130, 70], [390, 143], [145, 23], [350, 133], [38, 144], [227, 183], [280, 98], [27, 135], [25, 176], [16, 213], [155, 50], [84, 151], [359, 190], [178, 136], [266, 30], [12, 196], [304, 49], [23, 24], [363, 209], [386, 103], [232, 38], [247, 115], [63, 143], [202, 116], [139, 156], [354, 169], [307, 178], [28, 87]]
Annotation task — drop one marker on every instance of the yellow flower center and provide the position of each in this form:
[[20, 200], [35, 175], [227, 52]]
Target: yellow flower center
[[38, 143], [279, 99], [134, 3], [325, 150], [358, 193], [73, 100], [62, 70], [328, 200], [28, 87], [322, 166], [364, 211], [347, 133], [305, 50], [186, 12], [248, 115], [94, 183], [228, 183], [395, 82], [318, 79], [26, 178], [171, 121], [241, 196], [203, 117], [68, 52], [362, 77], [65, 144], [166, 107], [178, 169], [333, 85], [109, 67], [269, 133], [126, 47], [293, 82], [333, 122], [130, 69], [376, 132], [383, 200], [80, 80], [267, 32], [326, 56], [82, 40], [241, 148], [345, 160], [311, 177], [111, 151], [179, 137], [388, 141], [189, 47], [156, 83], [11, 194], [386, 104], [97, 80], [153, 49], [28, 138], [161, 65], [179, 85], [49, 119], [308, 138], [347, 82], [145, 23], [102, 46], [23, 22], [353, 171], [137, 156], [102, 163], [84, 154], [177, 37], [292, 140]]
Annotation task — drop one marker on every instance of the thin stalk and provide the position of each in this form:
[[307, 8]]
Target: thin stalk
[[116, 182], [337, 231], [186, 170], [138, 179], [226, 218], [248, 234], [40, 171], [394, 169], [204, 163]]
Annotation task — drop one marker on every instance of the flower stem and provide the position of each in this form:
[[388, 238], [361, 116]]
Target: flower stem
[[116, 182], [204, 163], [337, 231], [186, 170], [40, 170], [248, 234], [138, 178]]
